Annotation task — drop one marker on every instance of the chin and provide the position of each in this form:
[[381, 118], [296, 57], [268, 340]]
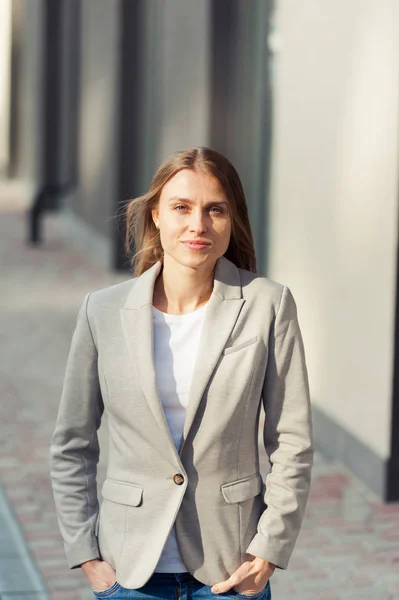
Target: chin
[[196, 260]]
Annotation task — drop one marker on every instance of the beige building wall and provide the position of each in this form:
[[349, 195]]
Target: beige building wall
[[172, 96], [175, 80], [98, 106], [5, 83], [184, 75], [27, 127], [333, 214]]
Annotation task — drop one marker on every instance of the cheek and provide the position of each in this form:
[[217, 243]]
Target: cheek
[[170, 231], [223, 230], [168, 223]]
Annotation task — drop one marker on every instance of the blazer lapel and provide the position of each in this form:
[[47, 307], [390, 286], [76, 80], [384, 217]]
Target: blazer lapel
[[137, 325], [220, 317]]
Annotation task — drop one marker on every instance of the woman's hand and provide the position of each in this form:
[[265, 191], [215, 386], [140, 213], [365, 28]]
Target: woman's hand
[[99, 573], [250, 578]]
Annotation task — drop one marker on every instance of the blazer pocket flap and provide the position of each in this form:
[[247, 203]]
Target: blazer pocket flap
[[240, 346], [122, 493], [242, 489]]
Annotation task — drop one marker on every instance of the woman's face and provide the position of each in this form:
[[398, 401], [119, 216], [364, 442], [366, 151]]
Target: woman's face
[[193, 218]]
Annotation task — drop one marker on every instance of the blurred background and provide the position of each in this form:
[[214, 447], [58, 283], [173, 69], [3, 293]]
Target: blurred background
[[303, 98]]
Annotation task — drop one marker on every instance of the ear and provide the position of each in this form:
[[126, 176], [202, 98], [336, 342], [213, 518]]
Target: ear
[[155, 216]]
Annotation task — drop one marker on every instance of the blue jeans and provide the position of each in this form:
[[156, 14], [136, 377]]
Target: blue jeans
[[176, 586]]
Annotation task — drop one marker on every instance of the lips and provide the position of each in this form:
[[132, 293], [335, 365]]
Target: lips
[[196, 245]]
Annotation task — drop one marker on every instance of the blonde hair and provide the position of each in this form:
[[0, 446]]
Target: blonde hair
[[143, 236]]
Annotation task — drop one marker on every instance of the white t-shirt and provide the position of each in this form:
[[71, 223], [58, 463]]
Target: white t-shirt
[[176, 340]]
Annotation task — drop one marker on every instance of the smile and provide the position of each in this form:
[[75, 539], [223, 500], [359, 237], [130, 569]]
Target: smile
[[196, 245]]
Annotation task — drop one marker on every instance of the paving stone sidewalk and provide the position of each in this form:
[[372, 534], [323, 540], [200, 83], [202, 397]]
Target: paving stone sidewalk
[[349, 544]]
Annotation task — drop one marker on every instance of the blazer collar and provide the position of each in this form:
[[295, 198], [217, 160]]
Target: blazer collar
[[227, 285]]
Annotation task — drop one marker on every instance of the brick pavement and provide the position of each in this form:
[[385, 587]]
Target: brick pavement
[[349, 544]]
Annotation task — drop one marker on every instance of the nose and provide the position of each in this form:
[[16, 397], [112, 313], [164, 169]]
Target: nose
[[198, 222]]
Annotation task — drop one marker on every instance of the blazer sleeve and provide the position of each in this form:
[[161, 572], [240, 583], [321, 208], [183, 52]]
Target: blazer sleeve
[[74, 446], [288, 439]]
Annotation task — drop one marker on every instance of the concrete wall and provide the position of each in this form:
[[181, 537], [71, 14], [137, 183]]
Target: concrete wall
[[98, 106], [174, 95], [5, 83], [184, 75], [334, 202], [27, 123]]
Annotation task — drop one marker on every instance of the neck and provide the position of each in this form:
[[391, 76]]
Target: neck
[[179, 289]]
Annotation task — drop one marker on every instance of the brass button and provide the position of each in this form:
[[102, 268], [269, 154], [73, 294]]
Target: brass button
[[178, 479]]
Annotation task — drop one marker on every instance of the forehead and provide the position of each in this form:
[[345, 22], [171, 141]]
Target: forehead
[[194, 185]]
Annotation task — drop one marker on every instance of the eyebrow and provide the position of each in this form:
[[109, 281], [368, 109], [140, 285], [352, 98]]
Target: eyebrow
[[188, 201]]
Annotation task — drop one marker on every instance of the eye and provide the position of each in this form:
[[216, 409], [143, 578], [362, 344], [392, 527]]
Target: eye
[[180, 207], [216, 209]]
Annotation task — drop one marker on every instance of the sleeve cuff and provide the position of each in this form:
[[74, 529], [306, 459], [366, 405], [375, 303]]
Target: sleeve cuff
[[278, 554], [82, 552]]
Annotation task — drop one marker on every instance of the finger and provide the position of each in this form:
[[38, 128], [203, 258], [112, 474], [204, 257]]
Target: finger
[[237, 577], [223, 586]]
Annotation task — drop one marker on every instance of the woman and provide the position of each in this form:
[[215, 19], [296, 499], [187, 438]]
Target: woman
[[181, 358]]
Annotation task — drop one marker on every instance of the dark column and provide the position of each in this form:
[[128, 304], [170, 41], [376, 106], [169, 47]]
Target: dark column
[[392, 474], [130, 157], [241, 102], [60, 79]]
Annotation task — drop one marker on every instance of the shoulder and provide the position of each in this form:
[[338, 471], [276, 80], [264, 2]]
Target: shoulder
[[265, 294], [261, 287], [268, 296], [111, 297]]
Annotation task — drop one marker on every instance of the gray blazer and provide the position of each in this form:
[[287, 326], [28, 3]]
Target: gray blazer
[[251, 350]]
